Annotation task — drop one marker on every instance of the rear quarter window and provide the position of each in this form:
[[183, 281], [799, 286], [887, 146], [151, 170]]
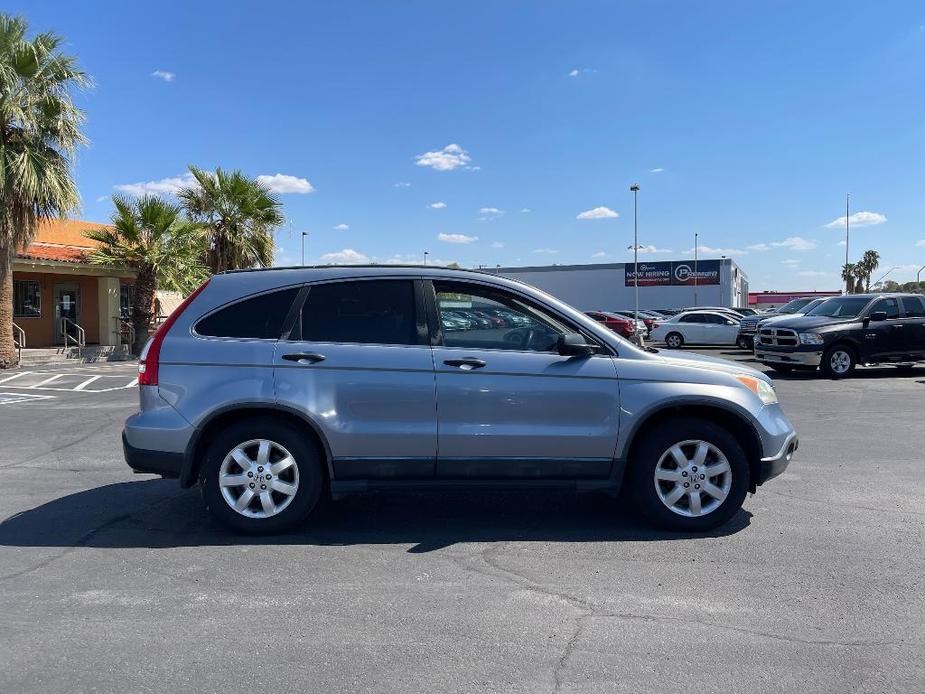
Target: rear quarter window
[[259, 317]]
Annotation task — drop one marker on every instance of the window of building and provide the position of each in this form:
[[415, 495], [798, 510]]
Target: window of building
[[260, 317], [366, 312], [27, 299], [126, 294]]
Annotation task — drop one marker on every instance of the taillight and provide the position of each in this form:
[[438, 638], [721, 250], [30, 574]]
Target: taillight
[[151, 354]]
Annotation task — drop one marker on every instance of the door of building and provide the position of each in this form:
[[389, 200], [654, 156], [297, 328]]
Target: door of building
[[67, 305]]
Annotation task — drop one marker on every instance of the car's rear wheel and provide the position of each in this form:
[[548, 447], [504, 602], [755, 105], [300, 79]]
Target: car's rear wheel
[[838, 361], [261, 476], [743, 342], [674, 341], [782, 368], [689, 475]]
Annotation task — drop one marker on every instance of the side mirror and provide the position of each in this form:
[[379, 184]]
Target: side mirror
[[878, 315], [574, 345], [731, 322]]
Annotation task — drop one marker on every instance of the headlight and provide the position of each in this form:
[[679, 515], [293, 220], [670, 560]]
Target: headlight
[[763, 389], [810, 339]]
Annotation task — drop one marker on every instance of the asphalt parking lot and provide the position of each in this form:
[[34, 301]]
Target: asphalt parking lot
[[121, 582]]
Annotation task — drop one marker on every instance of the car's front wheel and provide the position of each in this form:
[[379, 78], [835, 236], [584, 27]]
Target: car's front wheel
[[689, 475], [261, 476], [838, 361]]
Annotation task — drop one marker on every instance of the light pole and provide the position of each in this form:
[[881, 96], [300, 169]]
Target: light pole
[[304, 234], [885, 274], [696, 236], [847, 235], [635, 189], [425, 257], [919, 274]]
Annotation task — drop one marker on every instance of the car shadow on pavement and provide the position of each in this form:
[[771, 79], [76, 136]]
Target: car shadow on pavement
[[156, 514]]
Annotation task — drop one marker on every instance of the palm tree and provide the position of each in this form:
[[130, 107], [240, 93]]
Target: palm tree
[[39, 133], [848, 272], [239, 216], [868, 265], [151, 236]]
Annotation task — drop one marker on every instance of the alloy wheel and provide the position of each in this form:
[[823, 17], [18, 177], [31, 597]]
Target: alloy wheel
[[258, 478], [693, 478], [840, 361]]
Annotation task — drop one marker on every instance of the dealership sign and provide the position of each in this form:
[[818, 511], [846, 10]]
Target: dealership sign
[[674, 274]]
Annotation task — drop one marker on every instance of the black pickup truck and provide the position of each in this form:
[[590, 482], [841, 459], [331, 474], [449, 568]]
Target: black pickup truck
[[845, 331]]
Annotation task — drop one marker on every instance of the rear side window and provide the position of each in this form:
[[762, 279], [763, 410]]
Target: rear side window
[[371, 312], [692, 318], [914, 306], [259, 317]]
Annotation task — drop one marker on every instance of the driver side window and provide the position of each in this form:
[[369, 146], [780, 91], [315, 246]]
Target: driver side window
[[477, 317]]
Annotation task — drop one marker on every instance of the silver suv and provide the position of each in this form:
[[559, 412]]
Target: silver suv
[[274, 388]]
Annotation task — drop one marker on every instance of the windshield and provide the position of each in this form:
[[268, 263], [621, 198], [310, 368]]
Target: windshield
[[843, 307], [793, 306]]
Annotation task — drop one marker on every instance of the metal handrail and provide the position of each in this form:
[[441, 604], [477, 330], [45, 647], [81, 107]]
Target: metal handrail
[[19, 340], [126, 329], [79, 340]]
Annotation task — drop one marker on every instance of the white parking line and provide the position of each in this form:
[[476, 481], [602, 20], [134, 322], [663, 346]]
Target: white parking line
[[10, 378], [87, 382], [46, 381], [13, 398]]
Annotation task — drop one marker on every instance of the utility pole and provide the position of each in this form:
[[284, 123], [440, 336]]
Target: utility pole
[[696, 236], [304, 234], [847, 235], [425, 257], [636, 336]]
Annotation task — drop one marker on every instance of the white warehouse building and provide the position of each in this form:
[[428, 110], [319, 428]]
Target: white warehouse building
[[662, 283]]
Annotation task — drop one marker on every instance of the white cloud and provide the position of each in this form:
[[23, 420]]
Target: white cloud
[[815, 273], [581, 71], [858, 219], [163, 75], [497, 244], [598, 213], [651, 249], [456, 238], [793, 243], [284, 183], [574, 73], [920, 243], [408, 259], [791, 262], [283, 258], [439, 205], [342, 227], [401, 184], [102, 197], [546, 251], [599, 254], [450, 157], [525, 209], [348, 256], [717, 251], [164, 186], [490, 211], [657, 169]]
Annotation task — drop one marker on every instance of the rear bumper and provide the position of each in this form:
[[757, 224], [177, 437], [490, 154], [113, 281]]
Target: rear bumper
[[152, 462], [813, 358], [774, 465]]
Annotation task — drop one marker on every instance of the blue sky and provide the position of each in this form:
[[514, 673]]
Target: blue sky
[[481, 131]]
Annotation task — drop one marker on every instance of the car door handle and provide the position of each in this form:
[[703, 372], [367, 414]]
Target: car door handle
[[301, 357], [467, 363]]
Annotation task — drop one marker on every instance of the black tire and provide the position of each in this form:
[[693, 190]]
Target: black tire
[[845, 355], [745, 343], [308, 463], [781, 368], [675, 338], [656, 442]]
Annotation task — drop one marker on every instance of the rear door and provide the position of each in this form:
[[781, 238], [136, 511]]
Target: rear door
[[358, 362], [914, 325], [509, 405], [693, 328]]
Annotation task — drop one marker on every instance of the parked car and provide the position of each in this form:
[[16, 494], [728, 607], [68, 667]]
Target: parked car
[[846, 331], [648, 320], [696, 328], [619, 324], [749, 326], [271, 388]]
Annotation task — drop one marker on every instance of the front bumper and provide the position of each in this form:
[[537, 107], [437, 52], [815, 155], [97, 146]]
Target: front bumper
[[805, 358], [774, 465]]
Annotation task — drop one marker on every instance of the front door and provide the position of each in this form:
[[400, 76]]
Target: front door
[[359, 363], [67, 305], [885, 339], [509, 406]]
